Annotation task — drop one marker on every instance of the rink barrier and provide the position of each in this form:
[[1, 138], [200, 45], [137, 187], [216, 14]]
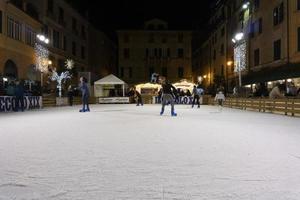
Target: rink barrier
[[278, 106], [51, 101]]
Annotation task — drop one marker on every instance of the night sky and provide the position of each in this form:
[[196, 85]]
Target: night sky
[[114, 15]]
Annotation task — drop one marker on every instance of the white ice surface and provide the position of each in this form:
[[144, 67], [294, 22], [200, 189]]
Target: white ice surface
[[120, 152]]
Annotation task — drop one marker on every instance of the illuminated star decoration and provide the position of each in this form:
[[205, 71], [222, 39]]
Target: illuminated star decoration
[[69, 64], [41, 58]]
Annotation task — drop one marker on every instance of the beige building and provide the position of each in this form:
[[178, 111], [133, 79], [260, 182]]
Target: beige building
[[271, 34], [156, 49], [18, 28]]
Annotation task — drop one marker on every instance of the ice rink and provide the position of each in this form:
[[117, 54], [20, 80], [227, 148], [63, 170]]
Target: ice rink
[[124, 152]]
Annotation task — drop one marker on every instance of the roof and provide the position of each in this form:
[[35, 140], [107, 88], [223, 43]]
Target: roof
[[110, 80]]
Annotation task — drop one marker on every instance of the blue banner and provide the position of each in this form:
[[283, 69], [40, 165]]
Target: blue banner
[[8, 103], [180, 100]]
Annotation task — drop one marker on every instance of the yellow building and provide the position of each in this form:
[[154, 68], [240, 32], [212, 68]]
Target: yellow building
[[156, 49], [17, 37], [271, 32]]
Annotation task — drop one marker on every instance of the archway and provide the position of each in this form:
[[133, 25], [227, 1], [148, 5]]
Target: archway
[[10, 70]]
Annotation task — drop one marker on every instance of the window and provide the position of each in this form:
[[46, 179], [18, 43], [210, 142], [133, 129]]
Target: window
[[222, 32], [222, 70], [82, 52], [151, 38], [298, 4], [151, 71], [164, 71], [180, 53], [256, 4], [180, 72], [56, 39], [180, 37], [126, 53], [155, 52], [61, 16], [256, 57], [50, 6], [0, 21], [122, 72], [65, 43], [299, 39], [14, 29], [83, 33], [278, 14], [215, 55], [277, 50], [146, 52], [168, 53], [74, 49], [74, 24], [130, 72], [159, 52], [29, 36], [126, 38], [260, 28], [222, 51], [252, 30]]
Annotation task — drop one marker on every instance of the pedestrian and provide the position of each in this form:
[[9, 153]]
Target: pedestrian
[[168, 96], [277, 92], [70, 95], [138, 98], [154, 78], [85, 94], [220, 98], [19, 94]]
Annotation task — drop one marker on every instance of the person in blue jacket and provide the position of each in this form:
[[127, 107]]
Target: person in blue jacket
[[85, 95]]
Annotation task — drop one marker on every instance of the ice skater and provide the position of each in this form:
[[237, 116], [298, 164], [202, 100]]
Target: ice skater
[[85, 95], [220, 98], [154, 78], [197, 93], [168, 96], [138, 97]]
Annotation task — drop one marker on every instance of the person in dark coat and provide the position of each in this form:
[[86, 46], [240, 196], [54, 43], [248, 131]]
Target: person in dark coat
[[196, 97], [85, 95], [139, 98], [70, 95], [19, 94], [169, 93]]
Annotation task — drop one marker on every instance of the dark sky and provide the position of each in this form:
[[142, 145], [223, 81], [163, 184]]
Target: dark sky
[[112, 15]]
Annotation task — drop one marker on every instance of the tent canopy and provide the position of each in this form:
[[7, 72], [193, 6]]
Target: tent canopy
[[110, 80]]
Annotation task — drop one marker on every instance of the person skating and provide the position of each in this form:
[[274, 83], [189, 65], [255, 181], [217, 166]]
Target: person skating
[[85, 95], [139, 98], [19, 93], [220, 98], [197, 92], [70, 95], [168, 96]]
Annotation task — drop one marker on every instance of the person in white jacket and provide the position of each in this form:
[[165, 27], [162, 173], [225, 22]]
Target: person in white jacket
[[220, 97]]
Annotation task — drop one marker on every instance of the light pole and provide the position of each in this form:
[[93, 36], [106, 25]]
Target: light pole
[[239, 43], [42, 56]]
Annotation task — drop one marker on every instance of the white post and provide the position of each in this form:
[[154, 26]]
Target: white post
[[123, 87]]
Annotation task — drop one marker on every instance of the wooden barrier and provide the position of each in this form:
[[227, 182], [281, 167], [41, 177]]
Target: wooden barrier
[[278, 106], [51, 101]]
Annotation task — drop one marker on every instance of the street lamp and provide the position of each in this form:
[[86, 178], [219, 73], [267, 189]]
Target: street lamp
[[245, 5], [42, 56], [238, 40]]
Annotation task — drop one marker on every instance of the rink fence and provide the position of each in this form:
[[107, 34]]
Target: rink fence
[[279, 106]]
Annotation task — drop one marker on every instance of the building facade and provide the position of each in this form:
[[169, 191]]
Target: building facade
[[156, 49], [18, 29], [271, 38]]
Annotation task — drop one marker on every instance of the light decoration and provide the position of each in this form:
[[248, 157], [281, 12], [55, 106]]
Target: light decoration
[[69, 64], [240, 57], [41, 58], [60, 79]]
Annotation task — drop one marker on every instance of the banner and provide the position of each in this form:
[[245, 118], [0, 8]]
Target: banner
[[8, 103], [185, 100], [113, 100]]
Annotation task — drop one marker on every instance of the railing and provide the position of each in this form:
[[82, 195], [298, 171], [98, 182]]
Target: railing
[[51, 101], [278, 106]]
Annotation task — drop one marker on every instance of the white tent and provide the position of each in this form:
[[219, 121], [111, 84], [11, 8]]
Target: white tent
[[107, 82]]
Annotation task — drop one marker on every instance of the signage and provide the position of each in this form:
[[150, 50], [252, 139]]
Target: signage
[[108, 100], [8, 103]]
